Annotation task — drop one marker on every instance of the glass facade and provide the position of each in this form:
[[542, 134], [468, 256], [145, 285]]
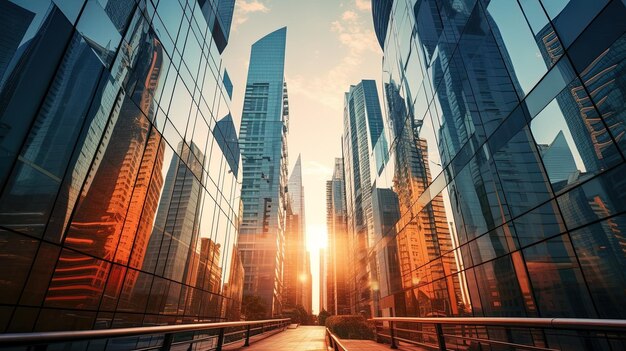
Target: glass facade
[[118, 190], [297, 273], [263, 143], [506, 124], [362, 137], [334, 267]]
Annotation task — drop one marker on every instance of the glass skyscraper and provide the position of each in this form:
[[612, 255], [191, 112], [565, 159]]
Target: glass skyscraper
[[362, 132], [296, 275], [263, 143], [118, 200], [506, 125], [334, 267]]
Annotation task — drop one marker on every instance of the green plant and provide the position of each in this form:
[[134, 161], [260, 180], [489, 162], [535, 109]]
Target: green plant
[[321, 317], [298, 315], [253, 308], [350, 327]]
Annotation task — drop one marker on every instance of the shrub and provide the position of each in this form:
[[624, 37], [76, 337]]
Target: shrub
[[350, 327], [321, 317]]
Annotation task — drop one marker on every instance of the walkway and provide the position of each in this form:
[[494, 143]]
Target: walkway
[[304, 338], [370, 345], [310, 338]]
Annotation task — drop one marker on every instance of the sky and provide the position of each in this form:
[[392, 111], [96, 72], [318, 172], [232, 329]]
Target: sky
[[330, 45]]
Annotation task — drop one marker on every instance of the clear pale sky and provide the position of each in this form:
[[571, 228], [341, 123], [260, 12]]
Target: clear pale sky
[[330, 45]]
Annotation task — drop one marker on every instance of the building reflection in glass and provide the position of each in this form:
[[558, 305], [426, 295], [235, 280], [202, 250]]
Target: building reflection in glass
[[516, 108], [117, 205]]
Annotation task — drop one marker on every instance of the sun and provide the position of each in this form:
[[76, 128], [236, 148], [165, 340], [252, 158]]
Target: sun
[[316, 237]]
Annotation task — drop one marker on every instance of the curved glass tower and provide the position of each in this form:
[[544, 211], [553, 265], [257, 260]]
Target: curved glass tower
[[263, 143], [507, 125], [118, 204]]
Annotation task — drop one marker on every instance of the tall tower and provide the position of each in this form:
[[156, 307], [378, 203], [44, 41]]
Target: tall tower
[[363, 126], [335, 269], [296, 283], [263, 142]]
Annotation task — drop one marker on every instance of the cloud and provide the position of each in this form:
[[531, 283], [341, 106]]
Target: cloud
[[244, 8], [349, 16], [357, 39], [316, 168], [364, 5], [352, 34]]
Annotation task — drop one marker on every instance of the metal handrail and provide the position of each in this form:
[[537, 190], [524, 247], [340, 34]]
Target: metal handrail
[[333, 342], [39, 338], [550, 323], [571, 324]]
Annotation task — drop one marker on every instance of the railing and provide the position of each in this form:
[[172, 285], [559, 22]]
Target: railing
[[205, 336], [333, 342], [476, 333]]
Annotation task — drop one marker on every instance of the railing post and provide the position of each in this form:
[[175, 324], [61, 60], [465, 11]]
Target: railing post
[[167, 342], [441, 340], [247, 343], [220, 340], [393, 337]]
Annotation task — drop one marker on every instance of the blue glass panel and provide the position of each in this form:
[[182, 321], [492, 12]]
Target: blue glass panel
[[521, 173], [50, 143], [600, 251], [101, 34], [571, 139], [517, 43], [17, 253], [558, 285], [570, 17], [30, 56], [70, 8], [598, 198], [171, 14], [492, 244], [498, 289], [550, 85], [40, 274], [487, 72], [538, 224]]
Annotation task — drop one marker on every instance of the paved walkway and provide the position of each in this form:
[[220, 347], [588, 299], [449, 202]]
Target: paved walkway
[[309, 338], [303, 338], [370, 345]]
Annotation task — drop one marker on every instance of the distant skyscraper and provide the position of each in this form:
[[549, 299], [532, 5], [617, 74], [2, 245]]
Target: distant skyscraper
[[263, 143], [307, 287], [335, 270], [176, 230], [295, 285], [14, 21], [363, 126], [558, 159]]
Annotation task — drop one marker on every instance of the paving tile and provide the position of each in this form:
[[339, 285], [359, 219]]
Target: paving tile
[[304, 338]]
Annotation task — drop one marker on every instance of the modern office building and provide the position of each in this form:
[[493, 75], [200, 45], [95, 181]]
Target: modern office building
[[334, 271], [118, 205], [295, 278], [263, 144], [506, 124], [362, 129], [307, 284]]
